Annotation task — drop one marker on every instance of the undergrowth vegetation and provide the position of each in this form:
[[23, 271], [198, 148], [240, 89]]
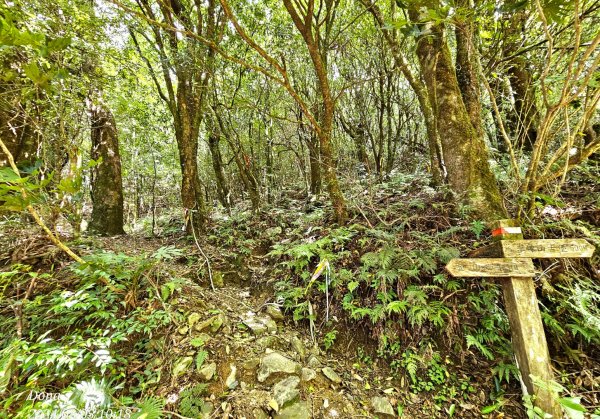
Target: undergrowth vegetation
[[94, 329], [102, 327], [385, 279]]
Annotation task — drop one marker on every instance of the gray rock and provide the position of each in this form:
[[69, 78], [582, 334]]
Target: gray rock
[[214, 323], [231, 381], [218, 321], [265, 342], [298, 346], [255, 326], [274, 312], [208, 372], [286, 391], [203, 338], [193, 318], [207, 410], [308, 374], [182, 365], [261, 324], [314, 362], [332, 375], [298, 410], [218, 280], [382, 406], [271, 325], [275, 363]]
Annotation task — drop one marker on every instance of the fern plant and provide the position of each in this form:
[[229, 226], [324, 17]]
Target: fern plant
[[149, 408]]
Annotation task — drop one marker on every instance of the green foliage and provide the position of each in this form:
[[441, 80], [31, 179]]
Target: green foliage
[[477, 227], [79, 328], [428, 372], [149, 408], [329, 339], [191, 403], [571, 405], [200, 358]]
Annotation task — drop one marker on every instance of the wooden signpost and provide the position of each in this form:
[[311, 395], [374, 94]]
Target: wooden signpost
[[509, 259]]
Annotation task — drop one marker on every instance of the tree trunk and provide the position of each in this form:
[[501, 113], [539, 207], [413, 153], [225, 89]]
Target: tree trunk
[[465, 153], [106, 182], [309, 29], [244, 164], [314, 158], [15, 129], [466, 75], [223, 193], [270, 183], [524, 120], [191, 189]]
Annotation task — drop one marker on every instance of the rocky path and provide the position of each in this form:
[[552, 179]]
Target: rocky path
[[258, 364]]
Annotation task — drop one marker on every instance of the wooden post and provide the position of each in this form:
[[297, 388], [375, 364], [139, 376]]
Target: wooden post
[[528, 338]]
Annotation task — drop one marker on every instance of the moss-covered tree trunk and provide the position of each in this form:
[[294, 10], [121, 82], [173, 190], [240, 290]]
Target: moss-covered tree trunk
[[464, 151], [466, 74], [15, 129], [187, 67], [106, 181], [523, 122], [314, 161], [223, 193], [310, 27], [187, 127]]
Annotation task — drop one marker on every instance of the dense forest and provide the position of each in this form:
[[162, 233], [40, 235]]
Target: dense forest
[[245, 209]]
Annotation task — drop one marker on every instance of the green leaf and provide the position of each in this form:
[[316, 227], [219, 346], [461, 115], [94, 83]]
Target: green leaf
[[59, 44], [397, 306], [8, 175], [200, 358], [352, 285], [197, 342], [33, 72], [572, 404], [489, 409]]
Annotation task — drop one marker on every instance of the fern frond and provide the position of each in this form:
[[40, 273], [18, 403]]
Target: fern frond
[[150, 408]]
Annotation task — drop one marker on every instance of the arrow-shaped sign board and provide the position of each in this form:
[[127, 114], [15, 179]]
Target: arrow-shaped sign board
[[491, 267], [547, 248]]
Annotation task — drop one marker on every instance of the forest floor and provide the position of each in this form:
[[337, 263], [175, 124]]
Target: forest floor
[[257, 354], [249, 336]]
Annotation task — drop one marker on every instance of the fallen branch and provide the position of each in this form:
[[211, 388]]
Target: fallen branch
[[35, 214]]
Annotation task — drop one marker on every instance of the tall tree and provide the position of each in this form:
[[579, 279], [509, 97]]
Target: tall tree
[[106, 181], [315, 26], [186, 67], [465, 152]]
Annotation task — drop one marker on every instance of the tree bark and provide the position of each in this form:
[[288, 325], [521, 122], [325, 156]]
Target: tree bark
[[309, 29], [106, 181], [465, 152], [524, 120], [466, 73], [223, 193], [186, 68], [191, 189], [314, 159], [15, 129]]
